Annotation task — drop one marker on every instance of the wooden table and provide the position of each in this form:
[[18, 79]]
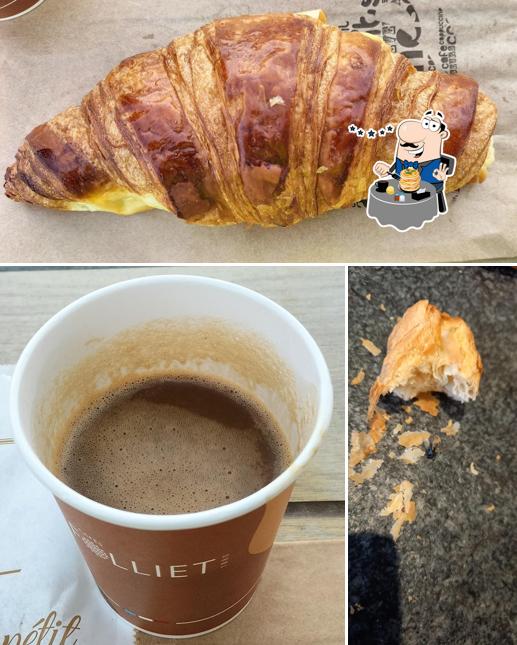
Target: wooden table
[[316, 296]]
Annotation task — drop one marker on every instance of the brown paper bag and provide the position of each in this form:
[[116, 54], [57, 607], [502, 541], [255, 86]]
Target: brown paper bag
[[300, 601], [55, 54]]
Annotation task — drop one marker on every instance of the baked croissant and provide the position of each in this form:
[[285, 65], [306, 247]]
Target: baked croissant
[[245, 120], [429, 351]]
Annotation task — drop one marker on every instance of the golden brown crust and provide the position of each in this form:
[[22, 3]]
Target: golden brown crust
[[244, 120], [429, 351], [347, 102]]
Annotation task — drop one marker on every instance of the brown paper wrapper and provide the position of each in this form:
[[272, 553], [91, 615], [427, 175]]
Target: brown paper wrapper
[[54, 55], [300, 601]]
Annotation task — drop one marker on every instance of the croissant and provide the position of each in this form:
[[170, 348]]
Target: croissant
[[429, 351], [245, 120]]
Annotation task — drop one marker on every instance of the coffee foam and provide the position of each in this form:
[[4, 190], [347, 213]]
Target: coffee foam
[[176, 445], [209, 347]]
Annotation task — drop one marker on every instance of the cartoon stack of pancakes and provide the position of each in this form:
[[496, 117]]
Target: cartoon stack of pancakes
[[409, 180]]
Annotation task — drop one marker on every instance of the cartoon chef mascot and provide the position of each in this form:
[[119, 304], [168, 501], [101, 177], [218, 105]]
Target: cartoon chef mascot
[[420, 146]]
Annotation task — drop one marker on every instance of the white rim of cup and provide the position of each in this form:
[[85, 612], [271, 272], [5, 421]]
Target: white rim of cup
[[22, 13], [184, 520]]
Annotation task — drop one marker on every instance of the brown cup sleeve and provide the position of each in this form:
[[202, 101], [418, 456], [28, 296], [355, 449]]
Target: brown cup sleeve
[[180, 582]]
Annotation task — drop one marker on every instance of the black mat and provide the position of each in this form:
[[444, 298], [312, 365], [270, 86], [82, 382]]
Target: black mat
[[452, 575]]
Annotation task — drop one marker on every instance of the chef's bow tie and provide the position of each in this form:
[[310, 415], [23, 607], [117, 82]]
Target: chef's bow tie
[[410, 164]]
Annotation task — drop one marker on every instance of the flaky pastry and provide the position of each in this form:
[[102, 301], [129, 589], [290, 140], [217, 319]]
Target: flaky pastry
[[429, 351], [245, 120]]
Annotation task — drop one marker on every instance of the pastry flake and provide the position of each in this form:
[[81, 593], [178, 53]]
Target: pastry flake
[[371, 347], [369, 470], [401, 507], [411, 455], [358, 378], [451, 429], [427, 402], [410, 439]]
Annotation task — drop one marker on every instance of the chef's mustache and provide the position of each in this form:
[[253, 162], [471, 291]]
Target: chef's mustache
[[409, 145]]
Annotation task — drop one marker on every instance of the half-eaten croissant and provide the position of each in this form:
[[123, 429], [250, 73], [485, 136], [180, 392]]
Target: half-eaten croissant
[[245, 120], [429, 351]]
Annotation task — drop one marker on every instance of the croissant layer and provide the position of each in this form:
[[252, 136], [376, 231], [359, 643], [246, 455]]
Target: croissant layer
[[244, 120]]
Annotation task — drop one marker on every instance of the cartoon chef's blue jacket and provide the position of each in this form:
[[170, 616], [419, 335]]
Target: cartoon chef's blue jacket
[[426, 169]]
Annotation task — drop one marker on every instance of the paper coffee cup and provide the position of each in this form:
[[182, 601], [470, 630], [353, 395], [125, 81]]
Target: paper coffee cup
[[14, 8], [187, 574]]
